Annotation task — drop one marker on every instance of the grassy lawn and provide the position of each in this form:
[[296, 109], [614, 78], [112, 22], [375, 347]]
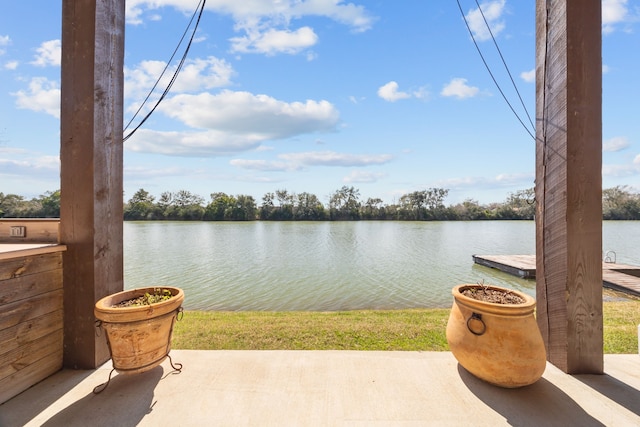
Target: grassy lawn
[[621, 320], [415, 330]]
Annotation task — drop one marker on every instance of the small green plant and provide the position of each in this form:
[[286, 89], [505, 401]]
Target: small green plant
[[485, 293], [158, 295]]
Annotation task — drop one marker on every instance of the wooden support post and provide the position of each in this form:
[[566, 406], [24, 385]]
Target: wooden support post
[[91, 169], [569, 183]]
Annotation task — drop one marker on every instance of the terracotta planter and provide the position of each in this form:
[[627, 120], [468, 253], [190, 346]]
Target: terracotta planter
[[498, 343], [139, 338]]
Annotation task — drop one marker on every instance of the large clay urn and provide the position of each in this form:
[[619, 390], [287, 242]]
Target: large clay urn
[[498, 343], [139, 337]]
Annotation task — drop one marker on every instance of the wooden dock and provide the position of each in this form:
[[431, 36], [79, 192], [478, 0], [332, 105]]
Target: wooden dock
[[518, 265], [620, 277]]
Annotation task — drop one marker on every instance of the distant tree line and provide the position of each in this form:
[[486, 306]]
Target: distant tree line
[[344, 204], [618, 203], [46, 205]]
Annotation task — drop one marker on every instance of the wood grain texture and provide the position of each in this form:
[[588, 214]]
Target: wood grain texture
[[26, 265], [569, 183], [91, 168], [38, 230], [31, 321]]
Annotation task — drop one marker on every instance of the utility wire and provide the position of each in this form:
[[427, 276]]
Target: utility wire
[[495, 43], [161, 74], [199, 10], [491, 74]]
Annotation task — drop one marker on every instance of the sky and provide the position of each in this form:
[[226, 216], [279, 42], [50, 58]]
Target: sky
[[388, 97]]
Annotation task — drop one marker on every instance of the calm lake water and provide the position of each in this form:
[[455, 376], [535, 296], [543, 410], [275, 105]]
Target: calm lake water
[[325, 266]]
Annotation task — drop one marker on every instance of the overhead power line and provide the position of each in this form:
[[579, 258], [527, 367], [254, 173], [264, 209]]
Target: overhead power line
[[530, 132], [198, 12]]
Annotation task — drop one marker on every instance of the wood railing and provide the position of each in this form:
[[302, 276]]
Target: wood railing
[[27, 230], [31, 305]]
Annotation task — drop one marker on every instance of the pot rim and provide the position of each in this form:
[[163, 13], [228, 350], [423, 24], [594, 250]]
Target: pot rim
[[526, 307], [104, 310]]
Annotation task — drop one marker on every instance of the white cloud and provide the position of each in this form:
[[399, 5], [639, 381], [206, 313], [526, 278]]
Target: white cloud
[[32, 165], [42, 95], [624, 170], [4, 41], [245, 113], [297, 161], [529, 76], [389, 92], [523, 180], [613, 13], [264, 165], [49, 53], [458, 88], [271, 41], [331, 158], [196, 74], [363, 176], [348, 14], [232, 122], [11, 65], [617, 143], [210, 143], [207, 73], [421, 93], [265, 24], [492, 11], [148, 173], [512, 178]]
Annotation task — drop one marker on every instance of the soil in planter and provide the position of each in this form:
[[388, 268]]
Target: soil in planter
[[158, 295], [492, 295]]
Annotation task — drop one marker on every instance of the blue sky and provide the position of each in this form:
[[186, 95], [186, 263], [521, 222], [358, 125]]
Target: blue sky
[[311, 95]]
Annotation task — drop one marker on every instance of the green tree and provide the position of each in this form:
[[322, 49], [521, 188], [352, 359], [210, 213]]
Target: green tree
[[140, 206], [373, 209], [285, 204], [423, 205], [245, 208], [308, 207], [182, 205], [219, 205], [267, 208], [344, 204], [50, 204], [434, 201], [620, 203], [224, 207], [470, 209], [413, 205], [521, 204], [165, 205], [11, 205]]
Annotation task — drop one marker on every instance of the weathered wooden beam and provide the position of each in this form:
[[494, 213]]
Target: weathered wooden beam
[[91, 169], [569, 182]]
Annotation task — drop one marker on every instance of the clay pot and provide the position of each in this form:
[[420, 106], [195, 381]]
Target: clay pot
[[139, 338], [498, 343]]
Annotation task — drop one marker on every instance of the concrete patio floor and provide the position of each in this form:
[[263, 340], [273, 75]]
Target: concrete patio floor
[[326, 388]]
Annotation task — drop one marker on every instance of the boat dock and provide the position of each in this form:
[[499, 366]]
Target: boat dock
[[619, 277]]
